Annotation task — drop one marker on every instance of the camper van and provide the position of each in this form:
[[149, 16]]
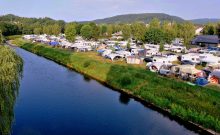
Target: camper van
[[193, 57], [163, 60]]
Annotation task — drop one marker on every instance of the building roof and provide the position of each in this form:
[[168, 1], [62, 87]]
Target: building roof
[[211, 39]]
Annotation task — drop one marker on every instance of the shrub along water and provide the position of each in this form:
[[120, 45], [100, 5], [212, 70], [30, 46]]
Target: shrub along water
[[11, 66], [192, 103]]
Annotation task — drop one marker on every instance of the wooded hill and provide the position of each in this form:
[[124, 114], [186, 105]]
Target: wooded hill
[[145, 17]]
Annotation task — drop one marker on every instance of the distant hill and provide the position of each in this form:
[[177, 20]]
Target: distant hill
[[28, 21], [205, 20], [145, 17]]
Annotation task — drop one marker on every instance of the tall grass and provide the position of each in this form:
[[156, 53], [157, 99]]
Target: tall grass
[[11, 66], [191, 103]]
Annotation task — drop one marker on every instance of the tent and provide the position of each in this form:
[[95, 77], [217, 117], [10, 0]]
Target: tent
[[214, 77], [134, 60], [101, 51], [201, 82], [54, 43], [154, 66]]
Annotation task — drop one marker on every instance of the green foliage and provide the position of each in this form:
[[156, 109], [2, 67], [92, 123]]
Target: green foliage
[[1, 37], [9, 29], [209, 29], [70, 32], [86, 32], [14, 25], [218, 30], [170, 31], [78, 28], [154, 36], [109, 30], [138, 31], [154, 24], [56, 29], [126, 31], [38, 31], [10, 73], [103, 30], [145, 18], [161, 49], [186, 31], [129, 44], [95, 31]]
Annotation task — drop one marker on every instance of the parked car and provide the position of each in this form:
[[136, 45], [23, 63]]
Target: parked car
[[165, 70], [187, 62], [148, 59]]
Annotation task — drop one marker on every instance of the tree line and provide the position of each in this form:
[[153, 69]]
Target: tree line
[[212, 29], [155, 32]]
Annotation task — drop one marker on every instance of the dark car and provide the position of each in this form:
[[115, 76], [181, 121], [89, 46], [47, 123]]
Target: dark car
[[207, 72], [187, 62], [148, 59]]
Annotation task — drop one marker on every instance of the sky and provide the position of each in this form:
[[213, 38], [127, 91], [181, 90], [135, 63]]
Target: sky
[[85, 10]]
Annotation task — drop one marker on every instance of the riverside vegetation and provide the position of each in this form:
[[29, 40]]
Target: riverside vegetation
[[11, 66], [200, 105]]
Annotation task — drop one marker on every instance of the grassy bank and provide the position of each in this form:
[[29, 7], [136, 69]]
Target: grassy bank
[[191, 103]]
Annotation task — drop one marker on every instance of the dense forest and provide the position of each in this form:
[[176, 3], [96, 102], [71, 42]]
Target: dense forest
[[145, 18]]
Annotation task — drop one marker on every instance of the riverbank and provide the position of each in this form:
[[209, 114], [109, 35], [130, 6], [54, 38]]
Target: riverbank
[[190, 103]]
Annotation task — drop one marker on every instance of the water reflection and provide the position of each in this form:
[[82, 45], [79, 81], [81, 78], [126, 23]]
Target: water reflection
[[124, 99], [86, 78]]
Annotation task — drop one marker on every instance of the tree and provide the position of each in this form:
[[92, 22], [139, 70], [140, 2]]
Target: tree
[[38, 31], [10, 73], [209, 29], [1, 37], [154, 36], [70, 32], [126, 31], [169, 32], [78, 28], [56, 30], [129, 44], [47, 29], [109, 30], [155, 23], [138, 31], [95, 30], [218, 30], [161, 49], [86, 32], [103, 30], [9, 29], [187, 32]]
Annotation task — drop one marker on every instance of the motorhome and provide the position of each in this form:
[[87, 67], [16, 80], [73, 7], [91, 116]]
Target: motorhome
[[163, 60], [193, 57], [209, 59]]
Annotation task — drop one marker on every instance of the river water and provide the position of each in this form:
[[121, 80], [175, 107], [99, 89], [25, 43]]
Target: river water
[[54, 100]]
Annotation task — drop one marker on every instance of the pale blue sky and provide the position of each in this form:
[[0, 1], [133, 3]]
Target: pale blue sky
[[80, 10]]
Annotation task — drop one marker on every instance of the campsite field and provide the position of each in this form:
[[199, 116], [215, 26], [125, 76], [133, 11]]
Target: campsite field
[[191, 103]]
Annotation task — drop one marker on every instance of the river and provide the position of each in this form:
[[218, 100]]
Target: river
[[54, 100]]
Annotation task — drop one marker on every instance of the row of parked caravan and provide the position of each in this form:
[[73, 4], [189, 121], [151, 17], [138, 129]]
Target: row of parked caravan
[[187, 70], [79, 45]]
